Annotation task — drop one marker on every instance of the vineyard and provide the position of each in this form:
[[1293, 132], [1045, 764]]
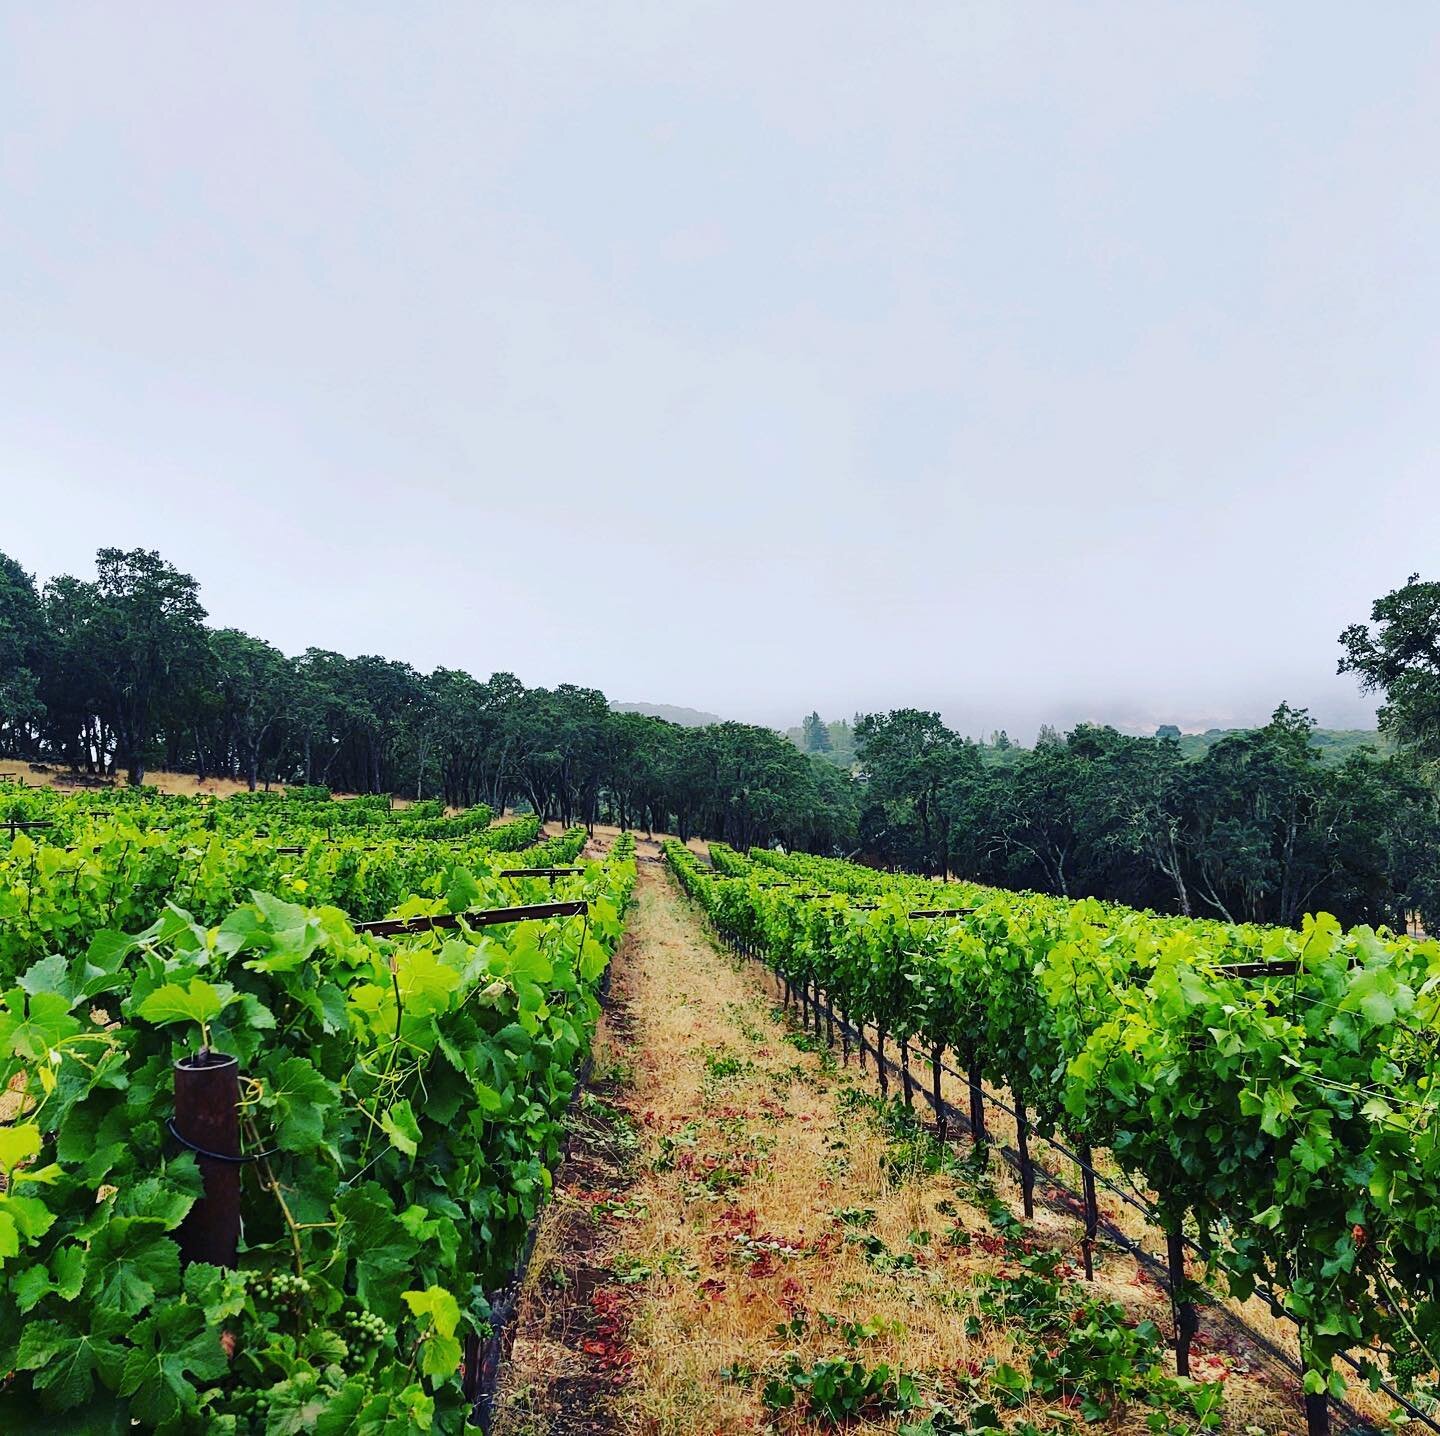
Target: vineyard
[[979, 976], [1269, 1094], [283, 1082], [287, 1080]]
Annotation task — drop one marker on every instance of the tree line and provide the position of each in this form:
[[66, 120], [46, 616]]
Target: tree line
[[1259, 828], [122, 673]]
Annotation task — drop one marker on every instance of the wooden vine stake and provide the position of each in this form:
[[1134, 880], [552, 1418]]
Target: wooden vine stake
[[977, 1101], [1187, 1323], [905, 1070], [1092, 1209], [207, 1116], [942, 1112], [1027, 1167]]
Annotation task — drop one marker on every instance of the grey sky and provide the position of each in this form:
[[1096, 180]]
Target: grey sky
[[1020, 360]]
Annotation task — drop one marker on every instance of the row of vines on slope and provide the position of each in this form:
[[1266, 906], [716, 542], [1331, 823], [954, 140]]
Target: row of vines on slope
[[116, 870], [402, 1111], [1285, 1123]]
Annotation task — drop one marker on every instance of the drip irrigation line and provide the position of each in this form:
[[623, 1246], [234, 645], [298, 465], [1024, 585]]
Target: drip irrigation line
[[236, 1161]]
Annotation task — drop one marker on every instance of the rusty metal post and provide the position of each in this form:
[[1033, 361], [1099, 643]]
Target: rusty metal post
[[470, 1373], [207, 1116]]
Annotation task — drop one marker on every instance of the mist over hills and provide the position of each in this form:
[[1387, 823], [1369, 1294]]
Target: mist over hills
[[1196, 739], [670, 712]]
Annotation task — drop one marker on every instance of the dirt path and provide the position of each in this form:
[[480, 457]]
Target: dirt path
[[743, 1226]]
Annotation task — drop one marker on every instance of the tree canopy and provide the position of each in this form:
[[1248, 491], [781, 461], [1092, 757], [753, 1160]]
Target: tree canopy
[[1400, 657], [1261, 828], [123, 672]]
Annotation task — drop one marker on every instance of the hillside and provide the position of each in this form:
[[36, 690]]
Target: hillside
[[685, 717]]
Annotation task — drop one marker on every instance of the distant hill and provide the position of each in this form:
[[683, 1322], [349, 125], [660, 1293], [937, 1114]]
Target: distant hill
[[685, 717]]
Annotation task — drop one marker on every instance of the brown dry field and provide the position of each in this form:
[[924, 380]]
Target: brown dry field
[[705, 1211], [178, 784]]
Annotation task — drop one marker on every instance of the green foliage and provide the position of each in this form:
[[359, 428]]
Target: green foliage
[[1268, 824], [413, 1093], [112, 866], [1400, 657], [814, 735], [22, 654], [838, 1390], [1332, 745], [123, 671], [1288, 1118]]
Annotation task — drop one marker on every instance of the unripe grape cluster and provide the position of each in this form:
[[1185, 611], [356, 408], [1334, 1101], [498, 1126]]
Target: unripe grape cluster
[[1407, 1367], [367, 1328], [281, 1287]]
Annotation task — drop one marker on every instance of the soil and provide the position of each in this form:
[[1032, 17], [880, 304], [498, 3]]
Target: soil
[[735, 1197]]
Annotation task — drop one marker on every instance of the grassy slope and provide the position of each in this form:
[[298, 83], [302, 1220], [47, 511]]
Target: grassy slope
[[184, 784]]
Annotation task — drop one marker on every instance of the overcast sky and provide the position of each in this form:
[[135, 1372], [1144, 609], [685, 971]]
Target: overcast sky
[[1022, 361]]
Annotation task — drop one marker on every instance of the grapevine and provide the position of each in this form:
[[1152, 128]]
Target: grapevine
[[410, 1095], [1286, 1122]]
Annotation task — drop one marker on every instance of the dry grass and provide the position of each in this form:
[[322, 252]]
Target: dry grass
[[1255, 1379], [770, 1193], [34, 775], [184, 784]]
